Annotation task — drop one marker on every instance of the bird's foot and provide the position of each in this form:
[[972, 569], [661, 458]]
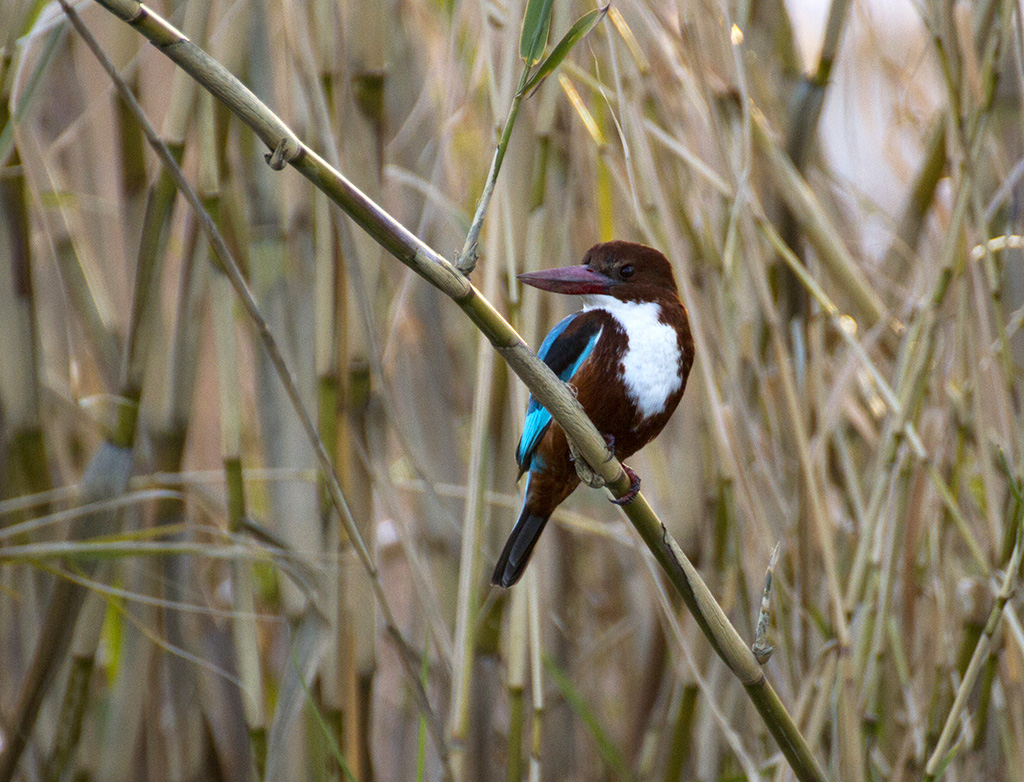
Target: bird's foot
[[634, 488], [609, 440], [587, 473]]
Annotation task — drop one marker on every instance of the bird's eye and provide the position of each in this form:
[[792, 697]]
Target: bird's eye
[[626, 271]]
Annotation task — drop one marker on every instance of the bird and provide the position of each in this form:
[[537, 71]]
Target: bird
[[626, 355]]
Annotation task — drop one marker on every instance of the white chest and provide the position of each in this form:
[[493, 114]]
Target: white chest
[[650, 366]]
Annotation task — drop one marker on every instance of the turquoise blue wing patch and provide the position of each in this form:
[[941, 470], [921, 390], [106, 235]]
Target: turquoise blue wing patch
[[564, 349], [537, 421]]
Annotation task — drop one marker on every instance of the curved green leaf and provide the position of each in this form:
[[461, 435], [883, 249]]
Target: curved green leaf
[[536, 24], [576, 33]]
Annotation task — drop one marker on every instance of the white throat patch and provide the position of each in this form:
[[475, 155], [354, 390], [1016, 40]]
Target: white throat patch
[[650, 366]]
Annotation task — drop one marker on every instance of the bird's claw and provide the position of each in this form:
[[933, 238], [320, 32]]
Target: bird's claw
[[609, 440], [634, 488], [592, 478], [586, 473]]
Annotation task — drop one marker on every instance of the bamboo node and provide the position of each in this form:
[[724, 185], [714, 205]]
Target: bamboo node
[[466, 262], [762, 646], [285, 152]]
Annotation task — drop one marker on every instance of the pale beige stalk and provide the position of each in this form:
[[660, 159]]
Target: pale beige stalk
[[553, 394]]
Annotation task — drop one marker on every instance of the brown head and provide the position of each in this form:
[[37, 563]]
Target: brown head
[[625, 270]]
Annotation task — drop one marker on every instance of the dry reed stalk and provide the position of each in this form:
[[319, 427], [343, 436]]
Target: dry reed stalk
[[536, 674], [939, 756], [808, 101], [362, 111], [517, 657], [107, 477], [481, 441], [244, 631], [898, 428], [309, 626], [394, 238]]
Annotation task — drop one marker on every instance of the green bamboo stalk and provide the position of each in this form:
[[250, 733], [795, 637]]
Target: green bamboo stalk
[[681, 739], [353, 420], [274, 247], [874, 635], [30, 89], [466, 261], [329, 331], [20, 374], [517, 646], [287, 148], [521, 642], [808, 101], [851, 750], [940, 755], [988, 680], [159, 204], [85, 301], [187, 742], [284, 374], [472, 526], [919, 200], [168, 437], [901, 421], [536, 672], [421, 734], [130, 146], [72, 711], [1016, 503], [351, 284], [363, 120], [933, 164], [106, 477], [357, 631], [326, 355], [243, 626], [903, 673], [133, 158], [169, 444], [820, 230], [24, 467]]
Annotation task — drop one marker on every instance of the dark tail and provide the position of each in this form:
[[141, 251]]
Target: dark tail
[[518, 547]]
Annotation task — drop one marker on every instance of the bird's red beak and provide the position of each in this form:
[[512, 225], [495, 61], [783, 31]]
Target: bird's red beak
[[578, 280]]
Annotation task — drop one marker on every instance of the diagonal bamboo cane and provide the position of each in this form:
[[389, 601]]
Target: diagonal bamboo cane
[[542, 382]]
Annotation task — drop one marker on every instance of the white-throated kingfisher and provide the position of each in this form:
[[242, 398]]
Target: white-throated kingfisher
[[626, 354]]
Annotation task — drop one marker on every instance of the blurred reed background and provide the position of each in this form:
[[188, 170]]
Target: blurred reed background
[[837, 186]]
